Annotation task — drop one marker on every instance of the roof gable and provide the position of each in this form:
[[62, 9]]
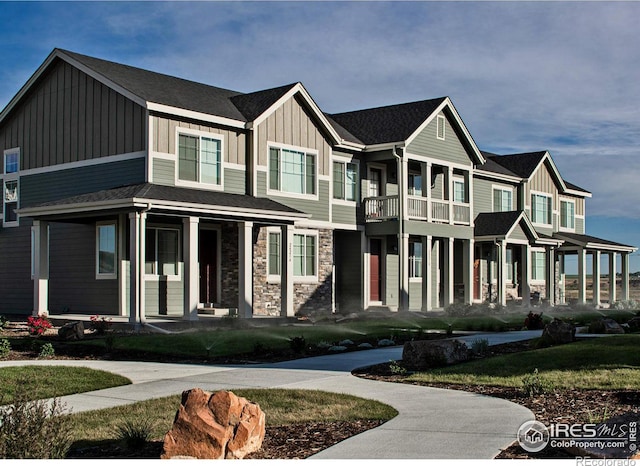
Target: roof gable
[[503, 224]]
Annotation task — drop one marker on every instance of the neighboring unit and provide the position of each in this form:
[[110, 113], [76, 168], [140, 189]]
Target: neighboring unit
[[133, 193]]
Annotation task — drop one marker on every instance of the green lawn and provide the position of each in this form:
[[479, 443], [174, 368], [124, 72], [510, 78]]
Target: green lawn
[[235, 340], [42, 382], [281, 407], [600, 363]]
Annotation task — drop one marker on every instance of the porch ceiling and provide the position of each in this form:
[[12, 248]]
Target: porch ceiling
[[157, 198]]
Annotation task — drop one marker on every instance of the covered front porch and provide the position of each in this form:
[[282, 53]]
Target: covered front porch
[[162, 252]]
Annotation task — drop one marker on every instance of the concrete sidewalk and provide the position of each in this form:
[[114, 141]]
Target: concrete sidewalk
[[432, 423]]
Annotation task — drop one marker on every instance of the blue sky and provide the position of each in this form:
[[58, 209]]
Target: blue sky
[[525, 76]]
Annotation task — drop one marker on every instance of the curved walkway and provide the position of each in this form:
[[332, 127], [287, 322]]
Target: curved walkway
[[432, 423]]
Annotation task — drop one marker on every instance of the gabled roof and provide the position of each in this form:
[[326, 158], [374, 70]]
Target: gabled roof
[[501, 224], [393, 123], [492, 166], [523, 165], [159, 197], [254, 104]]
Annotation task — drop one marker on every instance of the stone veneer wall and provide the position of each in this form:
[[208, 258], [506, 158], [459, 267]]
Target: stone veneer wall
[[308, 297]]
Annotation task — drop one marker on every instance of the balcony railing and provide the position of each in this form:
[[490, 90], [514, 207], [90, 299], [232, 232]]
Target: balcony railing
[[418, 208]]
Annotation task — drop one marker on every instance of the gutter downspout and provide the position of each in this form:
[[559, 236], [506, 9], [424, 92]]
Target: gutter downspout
[[403, 296]]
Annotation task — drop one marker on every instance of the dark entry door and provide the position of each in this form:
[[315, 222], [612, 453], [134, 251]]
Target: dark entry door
[[375, 270], [208, 257]]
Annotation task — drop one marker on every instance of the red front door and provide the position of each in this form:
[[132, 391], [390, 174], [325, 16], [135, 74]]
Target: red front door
[[375, 270], [476, 279], [208, 266]]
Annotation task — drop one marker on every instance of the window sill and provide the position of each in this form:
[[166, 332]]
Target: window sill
[[162, 278]]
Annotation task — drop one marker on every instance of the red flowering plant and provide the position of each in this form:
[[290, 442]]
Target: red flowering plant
[[38, 325], [100, 324]]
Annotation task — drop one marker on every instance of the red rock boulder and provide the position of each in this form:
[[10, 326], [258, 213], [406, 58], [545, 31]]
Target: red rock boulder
[[216, 425]]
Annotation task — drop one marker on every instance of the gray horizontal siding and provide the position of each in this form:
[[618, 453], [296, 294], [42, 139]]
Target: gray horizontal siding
[[164, 297], [235, 181], [443, 230], [44, 187], [16, 286], [415, 295], [345, 214], [349, 275], [164, 171], [392, 269], [319, 209], [450, 150], [579, 225], [518, 233]]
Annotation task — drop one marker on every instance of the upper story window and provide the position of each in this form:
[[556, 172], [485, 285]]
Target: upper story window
[[568, 215], [541, 209], [441, 124], [199, 159], [11, 187], [415, 184], [345, 181], [502, 200], [459, 191], [292, 171]]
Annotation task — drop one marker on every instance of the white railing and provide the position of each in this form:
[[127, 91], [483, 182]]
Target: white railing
[[461, 213], [381, 208], [439, 211], [417, 208]]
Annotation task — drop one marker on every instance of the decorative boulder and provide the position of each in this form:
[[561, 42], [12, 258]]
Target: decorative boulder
[[558, 332], [605, 326], [386, 342], [424, 354], [365, 346], [346, 343], [72, 331], [214, 426]]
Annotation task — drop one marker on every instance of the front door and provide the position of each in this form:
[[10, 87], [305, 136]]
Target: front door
[[208, 258], [375, 270], [375, 182]]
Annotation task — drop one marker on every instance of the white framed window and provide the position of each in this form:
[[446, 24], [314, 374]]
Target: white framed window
[[293, 171], [274, 249], [199, 159], [502, 199], [345, 181], [458, 190], [415, 259], [567, 215], [538, 265], [440, 127], [106, 250], [11, 187], [162, 251], [541, 208], [509, 264], [305, 255], [415, 184]]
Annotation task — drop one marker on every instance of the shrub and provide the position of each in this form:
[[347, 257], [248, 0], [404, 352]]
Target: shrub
[[533, 384], [99, 324], [38, 325], [34, 429], [396, 368], [135, 432], [534, 321], [480, 347], [626, 305], [47, 351], [5, 348], [298, 344], [3, 322], [458, 309]]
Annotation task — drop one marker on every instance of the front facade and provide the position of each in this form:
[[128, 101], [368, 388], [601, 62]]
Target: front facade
[[127, 192]]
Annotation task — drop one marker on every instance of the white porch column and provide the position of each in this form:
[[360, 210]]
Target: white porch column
[[612, 278], [624, 258], [562, 282], [501, 275], [582, 275], [467, 265], [448, 272], [403, 265], [366, 270], [596, 278], [550, 271], [286, 271], [40, 232], [525, 276], [427, 300], [426, 186], [123, 299], [190, 247], [137, 237], [245, 269]]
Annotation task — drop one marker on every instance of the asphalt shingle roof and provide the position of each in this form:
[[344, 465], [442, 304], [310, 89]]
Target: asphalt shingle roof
[[171, 193], [392, 123], [495, 223], [254, 104], [585, 239], [523, 165]]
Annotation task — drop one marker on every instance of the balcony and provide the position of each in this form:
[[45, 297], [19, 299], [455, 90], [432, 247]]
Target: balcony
[[418, 208]]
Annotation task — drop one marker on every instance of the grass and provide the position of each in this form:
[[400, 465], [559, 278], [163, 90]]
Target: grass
[[601, 363], [235, 341], [49, 381], [281, 407]]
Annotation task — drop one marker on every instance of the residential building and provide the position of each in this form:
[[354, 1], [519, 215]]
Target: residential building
[[128, 192]]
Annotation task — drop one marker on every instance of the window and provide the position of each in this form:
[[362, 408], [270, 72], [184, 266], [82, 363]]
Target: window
[[415, 184], [199, 159], [274, 253], [567, 215], [292, 171], [538, 265], [440, 127], [415, 259], [304, 255], [502, 199], [541, 209], [10, 187], [345, 181], [161, 254], [106, 252], [509, 264], [458, 191], [11, 161]]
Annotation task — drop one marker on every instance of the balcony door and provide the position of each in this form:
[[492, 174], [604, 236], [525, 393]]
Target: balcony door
[[376, 182]]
